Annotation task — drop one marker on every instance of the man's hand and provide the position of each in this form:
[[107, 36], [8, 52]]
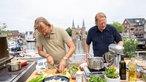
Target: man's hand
[[121, 43], [50, 60], [62, 65]]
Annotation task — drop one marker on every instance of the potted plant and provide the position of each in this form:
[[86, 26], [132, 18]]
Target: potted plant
[[111, 75], [130, 46]]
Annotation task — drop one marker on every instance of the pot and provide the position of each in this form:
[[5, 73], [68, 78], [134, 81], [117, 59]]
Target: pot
[[14, 66], [95, 63]]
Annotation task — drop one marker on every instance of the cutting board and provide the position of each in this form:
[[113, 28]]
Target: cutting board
[[48, 71]]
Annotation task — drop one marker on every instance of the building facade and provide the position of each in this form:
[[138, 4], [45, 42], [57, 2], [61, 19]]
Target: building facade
[[134, 27], [79, 35]]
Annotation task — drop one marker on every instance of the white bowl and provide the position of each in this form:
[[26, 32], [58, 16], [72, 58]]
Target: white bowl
[[111, 79]]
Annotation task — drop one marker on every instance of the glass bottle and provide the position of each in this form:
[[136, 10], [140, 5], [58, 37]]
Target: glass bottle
[[79, 77], [122, 69], [132, 70]]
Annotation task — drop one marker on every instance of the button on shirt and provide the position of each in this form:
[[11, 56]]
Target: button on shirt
[[101, 40]]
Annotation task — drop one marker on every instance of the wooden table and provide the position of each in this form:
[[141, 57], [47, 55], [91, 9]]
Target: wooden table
[[127, 60], [48, 71], [138, 80], [52, 71]]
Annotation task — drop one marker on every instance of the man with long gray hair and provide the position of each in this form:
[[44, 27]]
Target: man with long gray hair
[[53, 40]]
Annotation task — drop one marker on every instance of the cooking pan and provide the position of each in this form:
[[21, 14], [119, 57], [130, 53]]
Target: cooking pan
[[95, 63]]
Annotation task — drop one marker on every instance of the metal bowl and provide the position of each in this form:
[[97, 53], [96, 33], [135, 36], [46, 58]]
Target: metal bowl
[[95, 63], [55, 78], [109, 57]]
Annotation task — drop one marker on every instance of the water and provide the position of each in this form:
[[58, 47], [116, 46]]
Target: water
[[79, 47], [79, 54], [30, 47]]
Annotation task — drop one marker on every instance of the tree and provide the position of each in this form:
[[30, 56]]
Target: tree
[[69, 31], [2, 28], [118, 26]]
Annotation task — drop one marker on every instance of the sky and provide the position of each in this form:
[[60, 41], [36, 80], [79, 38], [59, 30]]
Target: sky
[[20, 14]]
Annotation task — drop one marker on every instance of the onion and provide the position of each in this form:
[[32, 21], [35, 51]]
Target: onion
[[73, 76]]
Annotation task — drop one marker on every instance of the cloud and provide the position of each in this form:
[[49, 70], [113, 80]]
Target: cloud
[[20, 14]]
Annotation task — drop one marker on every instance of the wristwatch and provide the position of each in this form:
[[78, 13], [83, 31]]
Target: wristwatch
[[65, 58]]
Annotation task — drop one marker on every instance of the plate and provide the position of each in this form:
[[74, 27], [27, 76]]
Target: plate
[[58, 77]]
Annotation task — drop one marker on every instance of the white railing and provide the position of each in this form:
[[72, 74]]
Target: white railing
[[137, 52]]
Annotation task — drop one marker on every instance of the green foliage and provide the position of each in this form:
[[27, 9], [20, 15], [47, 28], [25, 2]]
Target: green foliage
[[118, 26], [96, 79], [73, 69], [130, 46], [2, 28], [111, 72], [39, 78], [69, 31], [144, 77]]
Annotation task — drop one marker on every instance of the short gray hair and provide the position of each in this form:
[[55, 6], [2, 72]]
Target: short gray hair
[[99, 15]]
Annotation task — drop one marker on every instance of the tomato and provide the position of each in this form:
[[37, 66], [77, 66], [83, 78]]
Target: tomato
[[24, 63]]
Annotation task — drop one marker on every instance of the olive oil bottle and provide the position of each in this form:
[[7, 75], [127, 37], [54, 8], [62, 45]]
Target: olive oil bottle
[[122, 69], [132, 70]]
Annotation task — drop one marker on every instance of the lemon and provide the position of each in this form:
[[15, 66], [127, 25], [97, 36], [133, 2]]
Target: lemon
[[68, 75]]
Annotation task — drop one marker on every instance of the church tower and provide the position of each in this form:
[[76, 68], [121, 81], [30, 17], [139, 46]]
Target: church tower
[[79, 35], [73, 33], [83, 31]]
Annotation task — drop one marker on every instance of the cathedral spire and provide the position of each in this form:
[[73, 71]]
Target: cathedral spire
[[83, 25], [73, 25]]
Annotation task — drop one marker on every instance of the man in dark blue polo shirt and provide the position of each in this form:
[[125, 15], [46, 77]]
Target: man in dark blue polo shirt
[[102, 35]]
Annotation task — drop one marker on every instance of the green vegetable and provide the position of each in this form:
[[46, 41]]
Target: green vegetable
[[73, 69], [96, 79], [111, 72], [144, 76], [38, 78]]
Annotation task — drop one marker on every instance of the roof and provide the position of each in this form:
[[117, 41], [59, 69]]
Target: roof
[[136, 21]]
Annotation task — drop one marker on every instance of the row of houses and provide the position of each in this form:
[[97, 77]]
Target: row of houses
[[28, 35], [135, 27]]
